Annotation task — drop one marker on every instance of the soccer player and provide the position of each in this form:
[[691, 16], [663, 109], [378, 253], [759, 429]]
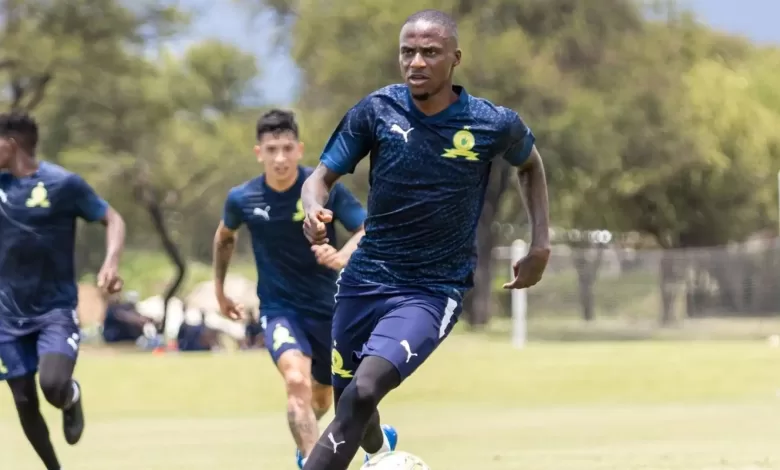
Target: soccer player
[[431, 147], [296, 282], [39, 332]]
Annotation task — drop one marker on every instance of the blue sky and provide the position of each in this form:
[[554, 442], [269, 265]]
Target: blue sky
[[222, 19]]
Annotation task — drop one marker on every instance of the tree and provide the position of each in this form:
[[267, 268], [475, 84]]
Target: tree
[[157, 135], [631, 139]]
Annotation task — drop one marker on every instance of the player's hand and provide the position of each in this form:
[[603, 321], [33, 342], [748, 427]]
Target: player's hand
[[329, 256], [230, 309], [314, 226], [529, 269], [108, 279]]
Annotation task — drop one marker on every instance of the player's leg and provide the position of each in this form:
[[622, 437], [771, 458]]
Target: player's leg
[[18, 364], [376, 439], [321, 399], [401, 341], [357, 405], [58, 350], [353, 320], [318, 334], [291, 351]]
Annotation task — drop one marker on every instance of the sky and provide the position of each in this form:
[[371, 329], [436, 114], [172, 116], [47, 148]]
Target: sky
[[222, 19]]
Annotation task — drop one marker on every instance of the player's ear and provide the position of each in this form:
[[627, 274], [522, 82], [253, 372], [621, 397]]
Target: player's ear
[[257, 152], [457, 58], [300, 150]]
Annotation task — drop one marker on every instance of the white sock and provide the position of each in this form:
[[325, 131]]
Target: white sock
[[76, 394], [303, 462], [385, 446]]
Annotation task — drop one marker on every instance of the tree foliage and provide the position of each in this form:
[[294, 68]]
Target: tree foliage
[[648, 121]]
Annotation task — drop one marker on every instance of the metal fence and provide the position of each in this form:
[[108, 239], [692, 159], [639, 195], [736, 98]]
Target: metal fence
[[733, 286]]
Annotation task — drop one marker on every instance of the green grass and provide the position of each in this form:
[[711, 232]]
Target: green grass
[[477, 405]]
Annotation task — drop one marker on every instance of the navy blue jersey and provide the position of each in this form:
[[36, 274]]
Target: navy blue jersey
[[290, 281], [37, 240], [428, 178]]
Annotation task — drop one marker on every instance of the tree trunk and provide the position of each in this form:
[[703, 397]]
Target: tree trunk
[[148, 197], [669, 288], [587, 261], [480, 301]]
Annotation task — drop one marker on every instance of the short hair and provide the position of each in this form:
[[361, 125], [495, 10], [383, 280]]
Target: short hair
[[276, 121], [21, 127], [436, 17]]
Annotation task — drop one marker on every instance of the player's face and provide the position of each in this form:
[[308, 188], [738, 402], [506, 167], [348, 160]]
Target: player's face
[[7, 151], [427, 58], [279, 153]]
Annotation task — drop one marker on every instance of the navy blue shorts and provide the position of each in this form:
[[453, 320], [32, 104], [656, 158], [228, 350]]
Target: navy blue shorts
[[404, 327], [311, 337], [55, 333]]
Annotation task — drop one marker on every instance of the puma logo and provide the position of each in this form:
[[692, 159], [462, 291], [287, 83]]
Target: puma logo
[[408, 349], [397, 129], [73, 341], [263, 212], [333, 441]]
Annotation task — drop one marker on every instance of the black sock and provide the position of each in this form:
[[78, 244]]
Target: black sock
[[374, 437], [27, 406], [337, 446]]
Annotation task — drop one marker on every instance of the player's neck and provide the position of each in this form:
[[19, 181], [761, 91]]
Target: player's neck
[[438, 102], [280, 185], [22, 166]]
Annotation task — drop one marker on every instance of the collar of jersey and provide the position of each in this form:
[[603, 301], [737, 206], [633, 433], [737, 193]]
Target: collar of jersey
[[298, 181], [454, 108]]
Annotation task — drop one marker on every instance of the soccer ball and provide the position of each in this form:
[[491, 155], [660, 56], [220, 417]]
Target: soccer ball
[[395, 461]]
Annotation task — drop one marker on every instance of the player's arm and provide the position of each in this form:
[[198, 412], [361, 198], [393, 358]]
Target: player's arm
[[524, 156], [347, 210], [352, 216], [349, 143], [92, 208], [224, 244], [346, 251], [534, 193]]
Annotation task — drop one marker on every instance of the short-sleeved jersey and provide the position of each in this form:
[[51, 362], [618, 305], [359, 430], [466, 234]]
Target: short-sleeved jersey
[[290, 281], [428, 178], [38, 216]]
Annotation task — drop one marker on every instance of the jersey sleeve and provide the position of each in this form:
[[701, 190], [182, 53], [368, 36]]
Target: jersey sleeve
[[521, 139], [352, 139], [88, 205], [232, 215], [346, 207]]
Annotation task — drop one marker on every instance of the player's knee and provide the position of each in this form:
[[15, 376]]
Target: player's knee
[[362, 396], [298, 386], [321, 402], [55, 388]]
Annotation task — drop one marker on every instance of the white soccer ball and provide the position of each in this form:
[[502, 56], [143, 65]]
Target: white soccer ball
[[395, 461]]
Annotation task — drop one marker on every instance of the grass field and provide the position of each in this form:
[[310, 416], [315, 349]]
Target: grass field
[[477, 405]]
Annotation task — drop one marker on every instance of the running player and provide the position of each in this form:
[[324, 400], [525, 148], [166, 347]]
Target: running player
[[431, 147], [296, 282], [39, 332]]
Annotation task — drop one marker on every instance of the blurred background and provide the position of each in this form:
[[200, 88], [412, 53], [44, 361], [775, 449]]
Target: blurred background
[[659, 124]]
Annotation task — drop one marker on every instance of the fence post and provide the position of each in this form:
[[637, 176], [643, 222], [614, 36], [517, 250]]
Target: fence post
[[519, 299]]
